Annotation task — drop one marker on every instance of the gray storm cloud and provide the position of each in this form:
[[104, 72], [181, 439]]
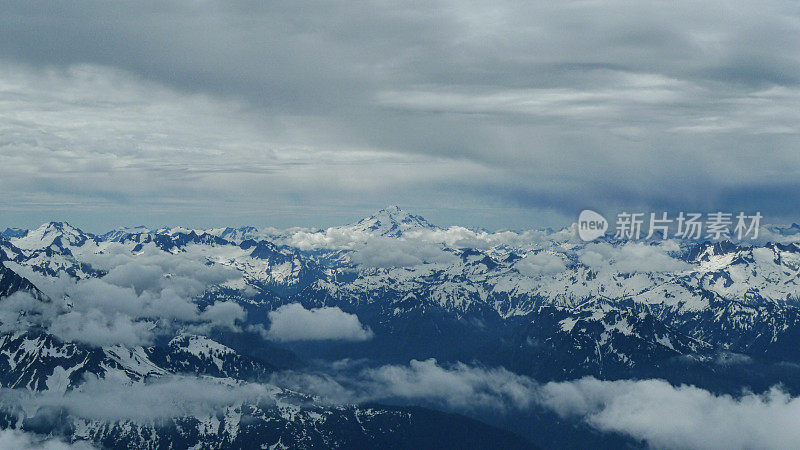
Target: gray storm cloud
[[501, 114]]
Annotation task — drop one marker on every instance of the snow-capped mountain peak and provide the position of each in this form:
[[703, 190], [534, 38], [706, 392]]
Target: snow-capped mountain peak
[[49, 233], [392, 222]]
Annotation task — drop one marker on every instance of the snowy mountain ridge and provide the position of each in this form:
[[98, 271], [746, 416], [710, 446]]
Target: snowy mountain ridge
[[540, 303]]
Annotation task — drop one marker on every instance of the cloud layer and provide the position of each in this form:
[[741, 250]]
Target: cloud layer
[[487, 113], [666, 416], [168, 397], [654, 411], [140, 297]]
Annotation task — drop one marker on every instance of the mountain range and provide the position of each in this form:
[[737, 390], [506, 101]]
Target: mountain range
[[251, 317]]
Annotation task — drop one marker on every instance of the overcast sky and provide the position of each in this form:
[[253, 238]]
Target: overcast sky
[[485, 113]]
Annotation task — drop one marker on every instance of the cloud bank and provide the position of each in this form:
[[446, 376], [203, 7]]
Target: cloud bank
[[654, 411], [140, 297], [112, 399], [378, 252], [666, 416], [169, 397]]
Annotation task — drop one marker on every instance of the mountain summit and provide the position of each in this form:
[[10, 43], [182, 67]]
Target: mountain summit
[[59, 233], [392, 222]]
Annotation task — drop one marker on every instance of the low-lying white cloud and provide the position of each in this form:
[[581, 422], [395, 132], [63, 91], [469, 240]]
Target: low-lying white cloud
[[653, 411], [112, 399], [457, 387], [388, 252], [293, 322], [540, 264], [171, 397], [347, 238], [20, 440], [632, 257], [140, 297], [667, 416], [460, 386]]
